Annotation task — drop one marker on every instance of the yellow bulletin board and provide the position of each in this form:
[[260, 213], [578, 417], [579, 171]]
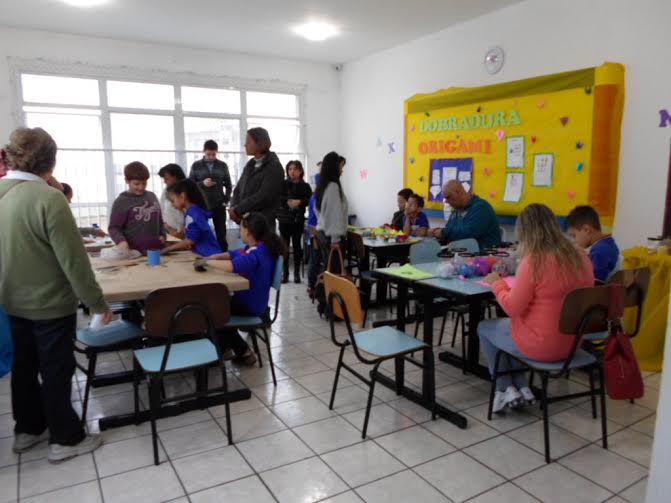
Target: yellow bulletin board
[[560, 132]]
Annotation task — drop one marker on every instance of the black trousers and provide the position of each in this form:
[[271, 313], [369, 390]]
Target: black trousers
[[325, 248], [219, 219], [292, 234], [46, 348]]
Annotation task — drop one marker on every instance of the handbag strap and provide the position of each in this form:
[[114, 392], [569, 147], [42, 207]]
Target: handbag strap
[[342, 264]]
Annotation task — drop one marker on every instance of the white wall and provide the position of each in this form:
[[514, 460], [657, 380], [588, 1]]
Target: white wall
[[540, 37], [321, 81]]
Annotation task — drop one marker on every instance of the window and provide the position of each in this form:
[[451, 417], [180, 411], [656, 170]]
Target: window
[[100, 125]]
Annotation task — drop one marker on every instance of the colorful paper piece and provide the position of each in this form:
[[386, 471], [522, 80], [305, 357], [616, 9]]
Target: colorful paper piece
[[486, 171], [408, 271], [492, 194], [411, 160], [533, 139], [515, 152], [514, 186], [579, 166], [542, 174], [428, 114], [392, 148], [588, 90], [579, 144], [541, 103], [500, 133], [379, 142], [479, 109], [412, 127], [363, 174], [563, 120], [570, 194], [664, 118]]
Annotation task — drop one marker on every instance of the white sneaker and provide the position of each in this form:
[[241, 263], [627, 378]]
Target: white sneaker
[[58, 453], [528, 395], [499, 402], [25, 441], [512, 397]]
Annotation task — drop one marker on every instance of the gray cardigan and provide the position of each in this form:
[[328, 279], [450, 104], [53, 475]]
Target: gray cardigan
[[332, 218]]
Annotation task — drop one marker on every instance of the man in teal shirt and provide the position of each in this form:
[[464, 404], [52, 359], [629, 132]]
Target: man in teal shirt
[[473, 217]]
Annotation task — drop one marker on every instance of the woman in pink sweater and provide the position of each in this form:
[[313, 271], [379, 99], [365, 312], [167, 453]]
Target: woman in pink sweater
[[549, 269]]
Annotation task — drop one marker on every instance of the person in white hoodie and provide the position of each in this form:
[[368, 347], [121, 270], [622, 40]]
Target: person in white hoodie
[[331, 207]]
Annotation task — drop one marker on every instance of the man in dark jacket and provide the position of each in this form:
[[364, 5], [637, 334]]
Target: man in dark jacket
[[259, 189], [213, 177]]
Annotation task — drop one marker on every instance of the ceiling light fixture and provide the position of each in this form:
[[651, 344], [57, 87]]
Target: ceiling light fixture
[[316, 31], [85, 3]]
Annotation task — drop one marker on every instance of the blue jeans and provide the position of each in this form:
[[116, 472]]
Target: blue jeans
[[494, 336]]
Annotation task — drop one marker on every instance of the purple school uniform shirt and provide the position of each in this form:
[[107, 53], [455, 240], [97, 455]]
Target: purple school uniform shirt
[[137, 220]]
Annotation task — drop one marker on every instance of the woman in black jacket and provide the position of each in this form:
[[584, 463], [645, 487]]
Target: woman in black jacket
[[259, 189], [291, 214]]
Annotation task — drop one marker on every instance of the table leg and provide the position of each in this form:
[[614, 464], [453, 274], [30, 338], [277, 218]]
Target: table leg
[[382, 285], [400, 325], [472, 363]]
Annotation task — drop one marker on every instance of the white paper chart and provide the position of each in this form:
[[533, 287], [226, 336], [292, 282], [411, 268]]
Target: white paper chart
[[542, 175], [514, 185], [515, 152]]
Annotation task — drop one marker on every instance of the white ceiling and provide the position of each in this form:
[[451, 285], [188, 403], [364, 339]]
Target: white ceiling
[[253, 26]]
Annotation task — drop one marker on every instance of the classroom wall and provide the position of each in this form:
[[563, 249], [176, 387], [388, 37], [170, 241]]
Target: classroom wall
[[539, 37], [321, 81]]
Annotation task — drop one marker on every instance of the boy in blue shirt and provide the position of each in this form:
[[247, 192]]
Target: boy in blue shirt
[[315, 254], [256, 262], [584, 227], [415, 221]]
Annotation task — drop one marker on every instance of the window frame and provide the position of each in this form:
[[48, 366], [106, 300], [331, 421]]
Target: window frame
[[102, 74]]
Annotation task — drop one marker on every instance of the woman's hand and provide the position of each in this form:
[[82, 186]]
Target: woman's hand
[[492, 278], [436, 233], [294, 203]]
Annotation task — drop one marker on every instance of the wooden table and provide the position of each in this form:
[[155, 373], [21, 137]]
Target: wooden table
[[98, 245], [133, 280]]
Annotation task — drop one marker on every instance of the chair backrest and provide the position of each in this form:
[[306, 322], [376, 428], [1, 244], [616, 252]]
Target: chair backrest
[[425, 251], [356, 245], [277, 273], [470, 244], [204, 302], [348, 292], [616, 269], [635, 283]]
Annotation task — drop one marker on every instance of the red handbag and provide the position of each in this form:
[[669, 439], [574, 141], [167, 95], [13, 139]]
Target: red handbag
[[621, 370]]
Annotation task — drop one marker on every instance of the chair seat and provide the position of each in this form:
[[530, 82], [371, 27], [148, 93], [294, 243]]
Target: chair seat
[[115, 333], [596, 336], [183, 355], [581, 359], [386, 342], [244, 322]]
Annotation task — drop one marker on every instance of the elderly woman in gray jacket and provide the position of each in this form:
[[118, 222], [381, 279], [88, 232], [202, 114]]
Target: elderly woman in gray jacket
[[331, 208]]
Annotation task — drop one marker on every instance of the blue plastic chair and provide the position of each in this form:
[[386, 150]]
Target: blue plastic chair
[[197, 312], [371, 347], [116, 336], [469, 244], [584, 310], [258, 327], [425, 251]]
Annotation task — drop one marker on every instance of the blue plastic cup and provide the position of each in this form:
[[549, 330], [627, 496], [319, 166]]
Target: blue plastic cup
[[153, 257]]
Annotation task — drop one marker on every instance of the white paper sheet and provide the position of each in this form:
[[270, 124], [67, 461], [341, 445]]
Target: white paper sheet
[[464, 176], [435, 177], [514, 186], [515, 152], [449, 173], [542, 176]]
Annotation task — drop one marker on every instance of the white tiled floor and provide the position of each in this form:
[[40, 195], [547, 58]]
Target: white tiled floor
[[289, 447]]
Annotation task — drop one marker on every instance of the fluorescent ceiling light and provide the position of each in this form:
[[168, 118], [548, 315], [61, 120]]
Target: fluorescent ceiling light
[[316, 31], [85, 3]]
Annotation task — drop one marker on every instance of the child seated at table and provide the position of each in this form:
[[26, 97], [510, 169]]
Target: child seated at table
[[186, 197], [256, 262], [415, 221], [584, 227], [136, 222], [401, 199], [549, 269]]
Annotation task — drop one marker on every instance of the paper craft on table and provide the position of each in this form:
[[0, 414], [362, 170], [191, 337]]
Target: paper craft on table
[[542, 175], [410, 272], [464, 176], [515, 152], [514, 186], [449, 173]]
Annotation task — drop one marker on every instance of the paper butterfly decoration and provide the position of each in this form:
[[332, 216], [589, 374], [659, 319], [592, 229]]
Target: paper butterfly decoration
[[579, 166], [579, 144], [570, 194]]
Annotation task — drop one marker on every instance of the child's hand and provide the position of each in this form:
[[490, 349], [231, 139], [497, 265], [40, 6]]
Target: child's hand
[[123, 246], [492, 278]]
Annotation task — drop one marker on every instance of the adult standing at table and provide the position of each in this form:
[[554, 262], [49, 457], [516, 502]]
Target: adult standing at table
[[473, 217], [213, 177], [291, 215], [331, 208], [44, 272], [259, 189]]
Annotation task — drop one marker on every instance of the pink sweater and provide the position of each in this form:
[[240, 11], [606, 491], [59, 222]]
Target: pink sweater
[[534, 308]]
